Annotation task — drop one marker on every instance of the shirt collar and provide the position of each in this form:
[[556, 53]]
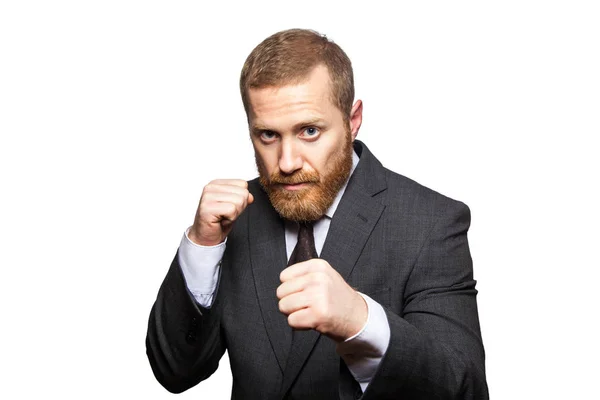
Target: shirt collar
[[331, 210]]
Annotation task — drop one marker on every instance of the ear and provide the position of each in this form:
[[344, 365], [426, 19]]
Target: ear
[[356, 118]]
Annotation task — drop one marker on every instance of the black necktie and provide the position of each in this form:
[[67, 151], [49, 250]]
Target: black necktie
[[305, 248]]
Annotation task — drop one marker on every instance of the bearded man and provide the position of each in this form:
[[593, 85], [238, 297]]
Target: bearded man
[[329, 276]]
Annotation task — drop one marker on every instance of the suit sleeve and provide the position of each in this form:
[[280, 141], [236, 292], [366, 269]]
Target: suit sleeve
[[435, 349], [184, 343]]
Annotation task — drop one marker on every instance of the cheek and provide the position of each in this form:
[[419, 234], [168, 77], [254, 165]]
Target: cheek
[[317, 164], [323, 159], [267, 160]]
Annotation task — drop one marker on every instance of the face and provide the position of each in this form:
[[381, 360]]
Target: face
[[302, 144]]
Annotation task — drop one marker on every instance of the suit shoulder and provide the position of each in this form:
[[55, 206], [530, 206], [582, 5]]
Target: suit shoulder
[[408, 193]]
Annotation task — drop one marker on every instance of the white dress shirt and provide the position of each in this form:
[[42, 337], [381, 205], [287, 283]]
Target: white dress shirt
[[362, 352]]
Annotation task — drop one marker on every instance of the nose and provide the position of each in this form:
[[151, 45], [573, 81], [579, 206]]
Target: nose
[[290, 159]]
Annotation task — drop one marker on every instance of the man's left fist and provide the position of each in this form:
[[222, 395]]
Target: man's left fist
[[314, 296]]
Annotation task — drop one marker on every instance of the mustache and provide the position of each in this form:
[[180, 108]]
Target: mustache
[[294, 179]]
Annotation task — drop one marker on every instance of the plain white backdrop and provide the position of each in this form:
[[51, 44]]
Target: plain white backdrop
[[114, 114]]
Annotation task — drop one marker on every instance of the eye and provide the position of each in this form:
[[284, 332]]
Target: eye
[[311, 132], [268, 136]]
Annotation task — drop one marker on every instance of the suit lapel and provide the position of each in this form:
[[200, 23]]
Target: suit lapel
[[268, 258], [356, 215], [350, 228]]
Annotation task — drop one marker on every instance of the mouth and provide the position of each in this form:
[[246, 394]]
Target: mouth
[[296, 186]]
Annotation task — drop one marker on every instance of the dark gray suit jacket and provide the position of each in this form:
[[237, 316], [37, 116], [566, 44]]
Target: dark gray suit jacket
[[401, 243]]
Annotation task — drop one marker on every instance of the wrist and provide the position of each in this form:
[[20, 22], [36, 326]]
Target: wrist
[[201, 241], [359, 317]]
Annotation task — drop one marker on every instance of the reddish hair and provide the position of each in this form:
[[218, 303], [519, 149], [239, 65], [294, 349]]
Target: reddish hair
[[289, 56]]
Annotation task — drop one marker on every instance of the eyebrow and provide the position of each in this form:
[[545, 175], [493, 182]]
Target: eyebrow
[[311, 121]]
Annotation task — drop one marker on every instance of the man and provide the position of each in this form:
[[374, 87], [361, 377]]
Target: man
[[329, 276]]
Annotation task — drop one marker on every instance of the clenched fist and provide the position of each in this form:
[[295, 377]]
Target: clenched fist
[[315, 296], [222, 202]]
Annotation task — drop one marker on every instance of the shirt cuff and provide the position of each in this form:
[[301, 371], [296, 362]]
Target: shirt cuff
[[200, 266], [363, 352]]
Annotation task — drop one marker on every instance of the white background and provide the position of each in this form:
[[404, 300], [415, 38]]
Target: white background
[[114, 114]]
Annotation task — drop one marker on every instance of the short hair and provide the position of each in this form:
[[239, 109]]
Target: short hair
[[288, 57]]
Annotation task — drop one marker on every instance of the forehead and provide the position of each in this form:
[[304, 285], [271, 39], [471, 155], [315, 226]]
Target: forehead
[[279, 105]]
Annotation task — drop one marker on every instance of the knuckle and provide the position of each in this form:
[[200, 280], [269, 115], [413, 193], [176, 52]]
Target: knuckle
[[324, 314], [206, 197], [239, 201], [232, 208], [320, 277], [323, 309], [317, 316]]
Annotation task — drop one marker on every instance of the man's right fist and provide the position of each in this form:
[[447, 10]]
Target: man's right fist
[[222, 201]]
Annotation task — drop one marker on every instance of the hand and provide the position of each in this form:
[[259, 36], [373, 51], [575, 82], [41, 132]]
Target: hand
[[222, 202], [315, 296]]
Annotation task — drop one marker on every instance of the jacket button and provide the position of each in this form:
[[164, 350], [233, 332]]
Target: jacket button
[[190, 338]]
